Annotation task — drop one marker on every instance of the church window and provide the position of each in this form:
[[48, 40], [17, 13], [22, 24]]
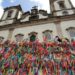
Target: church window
[[61, 4], [9, 14], [47, 35], [33, 36], [1, 39], [19, 37], [65, 13], [72, 32]]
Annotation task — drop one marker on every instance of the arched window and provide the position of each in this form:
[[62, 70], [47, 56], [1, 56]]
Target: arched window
[[65, 12], [32, 36], [71, 32], [19, 37], [9, 14], [1, 39], [47, 35], [61, 4]]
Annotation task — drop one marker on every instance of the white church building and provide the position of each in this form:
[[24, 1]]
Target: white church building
[[36, 24]]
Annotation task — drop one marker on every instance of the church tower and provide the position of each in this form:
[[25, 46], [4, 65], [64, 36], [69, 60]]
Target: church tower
[[61, 7], [11, 14]]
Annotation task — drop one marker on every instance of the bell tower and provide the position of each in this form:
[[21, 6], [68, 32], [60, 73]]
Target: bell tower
[[10, 15], [61, 7]]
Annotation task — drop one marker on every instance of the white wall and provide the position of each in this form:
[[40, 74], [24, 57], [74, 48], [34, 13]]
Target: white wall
[[56, 5], [67, 3], [25, 19], [6, 22], [42, 16], [5, 15], [19, 14], [4, 34], [38, 28]]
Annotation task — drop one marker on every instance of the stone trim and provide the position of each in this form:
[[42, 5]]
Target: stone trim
[[64, 9], [32, 33], [17, 7], [47, 31], [19, 34], [18, 24]]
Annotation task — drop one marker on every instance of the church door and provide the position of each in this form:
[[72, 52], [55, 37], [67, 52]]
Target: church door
[[32, 38]]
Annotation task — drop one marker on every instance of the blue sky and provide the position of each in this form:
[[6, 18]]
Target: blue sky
[[26, 4]]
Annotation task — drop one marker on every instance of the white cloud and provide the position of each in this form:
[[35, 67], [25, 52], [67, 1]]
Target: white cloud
[[1, 8], [73, 1], [42, 4], [1, 1], [12, 1]]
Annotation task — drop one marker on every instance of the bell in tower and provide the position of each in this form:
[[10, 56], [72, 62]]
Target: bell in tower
[[61, 7]]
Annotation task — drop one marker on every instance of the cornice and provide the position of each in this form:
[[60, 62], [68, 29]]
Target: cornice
[[17, 7], [55, 19]]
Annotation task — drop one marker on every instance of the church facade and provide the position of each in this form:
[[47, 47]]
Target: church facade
[[37, 24]]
